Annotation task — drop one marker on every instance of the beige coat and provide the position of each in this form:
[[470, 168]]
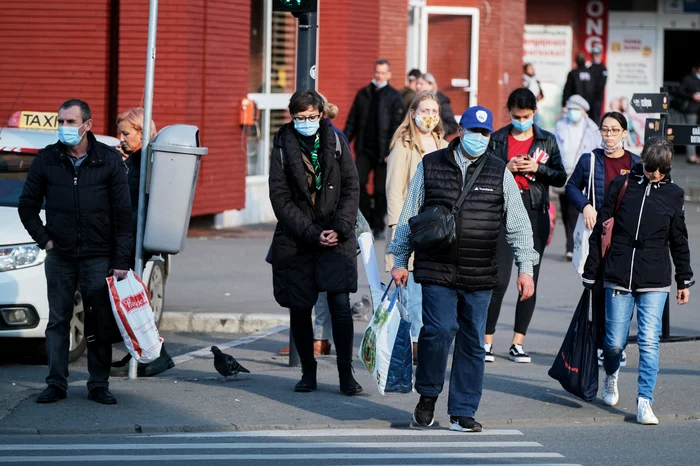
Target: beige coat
[[401, 167]]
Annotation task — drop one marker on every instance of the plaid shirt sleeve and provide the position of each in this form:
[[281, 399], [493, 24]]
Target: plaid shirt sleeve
[[518, 228], [400, 247]]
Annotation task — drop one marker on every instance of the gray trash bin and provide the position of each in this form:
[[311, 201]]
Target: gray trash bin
[[176, 156]]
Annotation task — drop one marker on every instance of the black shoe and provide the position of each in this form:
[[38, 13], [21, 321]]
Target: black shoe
[[464, 424], [348, 384], [423, 415], [518, 354], [162, 364], [51, 394], [308, 379], [102, 395]]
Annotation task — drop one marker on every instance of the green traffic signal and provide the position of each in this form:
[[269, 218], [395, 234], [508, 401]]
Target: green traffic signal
[[295, 6]]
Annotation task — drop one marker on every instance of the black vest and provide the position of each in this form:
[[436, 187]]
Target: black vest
[[469, 265]]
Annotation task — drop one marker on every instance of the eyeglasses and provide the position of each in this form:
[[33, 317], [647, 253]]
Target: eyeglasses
[[312, 118], [653, 168], [613, 131]]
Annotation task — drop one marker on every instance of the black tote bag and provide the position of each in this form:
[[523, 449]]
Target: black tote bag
[[576, 364]]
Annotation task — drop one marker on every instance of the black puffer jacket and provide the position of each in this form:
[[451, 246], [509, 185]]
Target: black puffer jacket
[[300, 266], [651, 220], [551, 173], [88, 214], [390, 111]]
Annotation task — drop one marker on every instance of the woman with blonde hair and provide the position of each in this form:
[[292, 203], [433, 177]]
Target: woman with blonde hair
[[420, 133]]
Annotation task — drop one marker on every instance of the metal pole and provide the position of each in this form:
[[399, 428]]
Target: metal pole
[[145, 154], [306, 80]]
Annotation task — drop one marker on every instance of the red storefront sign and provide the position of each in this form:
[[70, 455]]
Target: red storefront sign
[[594, 27]]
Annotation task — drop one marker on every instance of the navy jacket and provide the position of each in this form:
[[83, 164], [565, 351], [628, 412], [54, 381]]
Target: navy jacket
[[579, 180]]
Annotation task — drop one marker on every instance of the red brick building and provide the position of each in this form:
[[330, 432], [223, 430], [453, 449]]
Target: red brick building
[[213, 54]]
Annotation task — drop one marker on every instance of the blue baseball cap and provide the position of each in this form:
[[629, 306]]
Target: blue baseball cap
[[477, 117]]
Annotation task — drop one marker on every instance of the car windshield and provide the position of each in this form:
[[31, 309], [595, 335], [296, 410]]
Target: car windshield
[[13, 172]]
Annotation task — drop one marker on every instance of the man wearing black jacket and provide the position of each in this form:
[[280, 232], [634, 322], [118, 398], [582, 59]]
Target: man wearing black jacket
[[87, 236], [579, 81], [374, 116]]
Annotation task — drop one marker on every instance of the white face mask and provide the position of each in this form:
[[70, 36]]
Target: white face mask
[[426, 123]]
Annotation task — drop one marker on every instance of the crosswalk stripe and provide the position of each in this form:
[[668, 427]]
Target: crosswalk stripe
[[271, 457], [279, 446], [336, 433]]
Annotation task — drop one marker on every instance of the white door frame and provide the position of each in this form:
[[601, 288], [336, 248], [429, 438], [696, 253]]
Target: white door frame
[[474, 57]]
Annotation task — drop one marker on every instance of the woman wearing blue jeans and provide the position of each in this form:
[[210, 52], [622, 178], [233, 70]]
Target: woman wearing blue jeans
[[649, 220]]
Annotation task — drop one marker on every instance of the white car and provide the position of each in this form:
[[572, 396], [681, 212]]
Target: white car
[[24, 307]]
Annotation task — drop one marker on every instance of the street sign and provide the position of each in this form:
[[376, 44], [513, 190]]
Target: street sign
[[295, 6], [683, 135], [650, 103]]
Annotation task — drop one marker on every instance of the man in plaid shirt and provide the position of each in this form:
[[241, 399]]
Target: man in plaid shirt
[[457, 283]]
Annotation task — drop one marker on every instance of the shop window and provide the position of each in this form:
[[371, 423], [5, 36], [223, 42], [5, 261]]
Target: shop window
[[633, 5]]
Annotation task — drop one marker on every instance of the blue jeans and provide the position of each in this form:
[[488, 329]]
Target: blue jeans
[[619, 306], [413, 297], [448, 312]]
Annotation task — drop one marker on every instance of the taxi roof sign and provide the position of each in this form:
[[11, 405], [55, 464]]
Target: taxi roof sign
[[34, 120]]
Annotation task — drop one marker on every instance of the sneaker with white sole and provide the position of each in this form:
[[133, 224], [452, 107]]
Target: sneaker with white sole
[[464, 424], [518, 354], [623, 359], [424, 414], [610, 393], [645, 415], [489, 353]]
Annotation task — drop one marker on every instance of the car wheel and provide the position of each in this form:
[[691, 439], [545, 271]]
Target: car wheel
[[78, 342], [156, 288]]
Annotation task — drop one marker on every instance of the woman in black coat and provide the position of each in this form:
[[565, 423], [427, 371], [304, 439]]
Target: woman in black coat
[[649, 222], [315, 194]]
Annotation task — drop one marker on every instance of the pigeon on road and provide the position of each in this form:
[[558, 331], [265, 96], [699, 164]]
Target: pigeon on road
[[225, 364]]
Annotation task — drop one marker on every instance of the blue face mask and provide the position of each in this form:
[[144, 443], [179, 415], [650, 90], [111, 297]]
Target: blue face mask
[[524, 125], [574, 115], [379, 86], [70, 135], [474, 144], [307, 128]]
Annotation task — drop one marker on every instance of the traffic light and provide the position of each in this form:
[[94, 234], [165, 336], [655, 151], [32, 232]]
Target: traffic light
[[295, 6]]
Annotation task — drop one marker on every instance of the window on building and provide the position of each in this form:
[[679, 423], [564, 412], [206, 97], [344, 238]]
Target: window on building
[[633, 5], [256, 72]]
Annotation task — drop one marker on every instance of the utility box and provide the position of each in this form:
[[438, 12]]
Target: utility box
[[175, 155]]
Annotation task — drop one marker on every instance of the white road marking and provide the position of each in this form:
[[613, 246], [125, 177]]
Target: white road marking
[[231, 344], [336, 433], [263, 457], [269, 446]]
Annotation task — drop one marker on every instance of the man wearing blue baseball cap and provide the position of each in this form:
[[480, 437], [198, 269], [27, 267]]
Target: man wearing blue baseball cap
[[458, 278]]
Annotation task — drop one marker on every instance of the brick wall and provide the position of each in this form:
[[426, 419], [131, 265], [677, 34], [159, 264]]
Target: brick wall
[[393, 24], [502, 24], [200, 80], [49, 54]]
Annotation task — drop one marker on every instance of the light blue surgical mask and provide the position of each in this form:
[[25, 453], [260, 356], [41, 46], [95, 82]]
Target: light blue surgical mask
[[474, 144], [307, 128], [523, 126], [380, 85], [70, 135], [574, 115]]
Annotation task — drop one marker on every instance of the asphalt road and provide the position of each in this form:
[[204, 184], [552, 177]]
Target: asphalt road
[[566, 444]]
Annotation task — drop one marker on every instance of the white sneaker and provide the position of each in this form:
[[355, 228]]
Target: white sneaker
[[600, 358], [518, 354], [645, 415], [623, 359], [489, 353], [610, 393]]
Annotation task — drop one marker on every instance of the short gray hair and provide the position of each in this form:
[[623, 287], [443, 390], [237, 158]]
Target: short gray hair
[[431, 79], [85, 112], [657, 152]]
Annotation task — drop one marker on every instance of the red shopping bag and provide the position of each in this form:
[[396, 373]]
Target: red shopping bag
[[131, 305]]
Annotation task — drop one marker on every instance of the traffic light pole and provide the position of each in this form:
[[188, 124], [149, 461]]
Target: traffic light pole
[[306, 80]]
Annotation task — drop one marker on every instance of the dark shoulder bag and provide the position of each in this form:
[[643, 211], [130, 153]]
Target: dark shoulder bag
[[434, 227], [606, 234]]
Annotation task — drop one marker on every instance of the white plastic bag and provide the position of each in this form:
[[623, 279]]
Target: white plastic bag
[[581, 233], [386, 349], [131, 305]]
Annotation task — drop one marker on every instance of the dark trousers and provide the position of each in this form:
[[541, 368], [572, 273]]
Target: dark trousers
[[569, 216], [375, 211], [524, 309], [450, 313], [63, 276], [343, 332]]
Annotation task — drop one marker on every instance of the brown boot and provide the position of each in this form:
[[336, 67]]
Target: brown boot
[[322, 347], [415, 353]]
